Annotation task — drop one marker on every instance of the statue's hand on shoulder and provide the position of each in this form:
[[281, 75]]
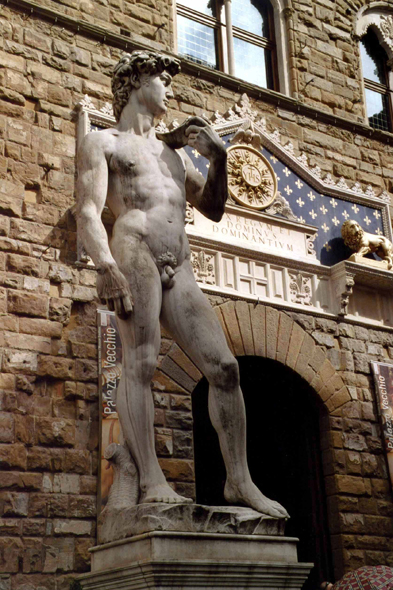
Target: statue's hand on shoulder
[[114, 290], [206, 141]]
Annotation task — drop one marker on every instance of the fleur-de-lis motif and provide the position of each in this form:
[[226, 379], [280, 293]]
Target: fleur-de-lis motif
[[313, 214], [323, 209], [367, 220], [311, 196], [336, 221], [379, 232], [355, 209], [274, 159], [288, 190], [203, 265], [325, 228], [300, 202], [333, 203], [195, 153], [299, 183], [300, 288], [286, 172], [345, 215], [376, 214], [327, 246]]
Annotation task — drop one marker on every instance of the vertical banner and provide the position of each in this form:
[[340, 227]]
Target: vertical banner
[[109, 359], [383, 375]]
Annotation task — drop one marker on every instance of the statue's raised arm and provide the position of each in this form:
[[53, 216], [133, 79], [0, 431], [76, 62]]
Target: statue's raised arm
[[208, 196]]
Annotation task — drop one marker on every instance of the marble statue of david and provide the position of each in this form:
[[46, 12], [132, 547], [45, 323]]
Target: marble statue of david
[[145, 274]]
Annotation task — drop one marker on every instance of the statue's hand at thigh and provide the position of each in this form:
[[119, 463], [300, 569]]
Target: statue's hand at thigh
[[114, 291]]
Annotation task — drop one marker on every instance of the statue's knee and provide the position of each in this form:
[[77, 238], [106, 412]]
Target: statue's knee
[[227, 374]]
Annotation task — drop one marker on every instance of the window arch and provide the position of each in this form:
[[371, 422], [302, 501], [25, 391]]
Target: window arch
[[234, 36], [374, 29]]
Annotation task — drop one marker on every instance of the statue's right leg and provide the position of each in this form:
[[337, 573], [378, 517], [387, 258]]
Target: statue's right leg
[[140, 337]]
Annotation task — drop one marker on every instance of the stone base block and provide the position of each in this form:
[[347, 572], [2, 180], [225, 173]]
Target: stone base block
[[121, 523], [178, 561], [380, 264]]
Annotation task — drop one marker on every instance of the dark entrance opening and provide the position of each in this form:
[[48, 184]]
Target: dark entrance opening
[[284, 454]]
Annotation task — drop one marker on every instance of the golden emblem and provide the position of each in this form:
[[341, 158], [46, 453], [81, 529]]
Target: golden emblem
[[251, 179]]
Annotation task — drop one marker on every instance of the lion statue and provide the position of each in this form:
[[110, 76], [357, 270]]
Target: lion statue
[[363, 243]]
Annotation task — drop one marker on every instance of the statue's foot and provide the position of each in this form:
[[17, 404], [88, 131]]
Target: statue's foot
[[163, 493], [249, 495]]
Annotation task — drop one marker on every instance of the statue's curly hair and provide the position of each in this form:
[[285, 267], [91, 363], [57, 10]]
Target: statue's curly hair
[[137, 62]]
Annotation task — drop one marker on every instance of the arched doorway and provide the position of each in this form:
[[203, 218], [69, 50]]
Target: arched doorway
[[283, 440]]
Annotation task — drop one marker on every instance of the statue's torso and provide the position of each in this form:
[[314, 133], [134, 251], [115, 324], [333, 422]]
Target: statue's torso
[[146, 193]]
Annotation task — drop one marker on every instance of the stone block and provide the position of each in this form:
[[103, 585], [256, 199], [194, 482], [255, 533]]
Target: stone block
[[13, 456], [77, 461], [244, 320], [60, 309], [82, 507], [39, 327], [184, 362], [88, 484], [177, 469], [26, 342], [55, 432], [182, 444], [176, 374], [11, 550], [180, 420], [60, 368], [72, 527], [295, 344], [324, 339], [27, 304], [59, 273], [14, 503], [362, 363], [258, 325], [231, 321], [272, 322], [24, 265], [58, 555], [10, 205], [283, 337], [86, 370], [25, 429], [57, 505], [7, 432], [349, 484], [17, 361]]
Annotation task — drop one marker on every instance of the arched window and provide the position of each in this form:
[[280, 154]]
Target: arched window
[[234, 36], [376, 82]]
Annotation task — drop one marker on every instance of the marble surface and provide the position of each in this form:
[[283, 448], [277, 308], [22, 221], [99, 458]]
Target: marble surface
[[115, 524]]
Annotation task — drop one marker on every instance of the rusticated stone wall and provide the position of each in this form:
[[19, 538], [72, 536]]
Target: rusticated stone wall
[[48, 339]]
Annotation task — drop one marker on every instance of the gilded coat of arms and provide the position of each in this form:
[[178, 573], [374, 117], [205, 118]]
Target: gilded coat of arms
[[252, 181]]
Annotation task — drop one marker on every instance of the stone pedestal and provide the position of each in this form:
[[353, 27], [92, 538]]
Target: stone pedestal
[[380, 264], [213, 547]]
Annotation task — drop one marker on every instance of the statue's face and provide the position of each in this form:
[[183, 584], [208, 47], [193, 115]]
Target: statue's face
[[155, 92]]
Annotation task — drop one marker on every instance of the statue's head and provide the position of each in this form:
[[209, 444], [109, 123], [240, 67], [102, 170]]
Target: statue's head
[[132, 69], [352, 234]]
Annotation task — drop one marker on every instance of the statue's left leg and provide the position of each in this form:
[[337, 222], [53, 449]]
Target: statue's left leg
[[188, 316]]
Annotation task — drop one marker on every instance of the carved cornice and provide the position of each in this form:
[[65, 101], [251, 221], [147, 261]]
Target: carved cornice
[[290, 263]]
